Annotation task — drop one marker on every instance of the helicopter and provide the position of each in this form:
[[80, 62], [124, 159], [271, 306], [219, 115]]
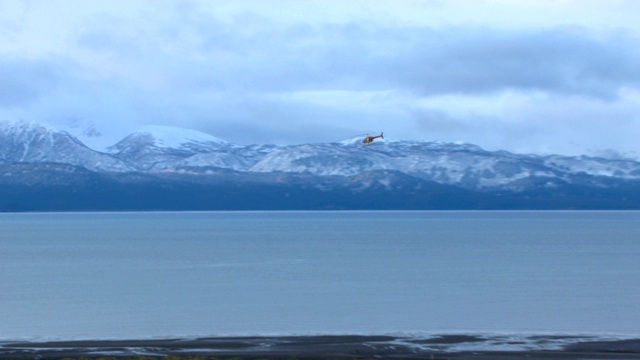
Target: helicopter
[[369, 139]]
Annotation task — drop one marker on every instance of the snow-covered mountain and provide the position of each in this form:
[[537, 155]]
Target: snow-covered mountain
[[171, 150], [463, 165], [30, 142], [169, 139], [162, 148]]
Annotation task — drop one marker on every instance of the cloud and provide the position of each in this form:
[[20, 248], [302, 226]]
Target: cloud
[[473, 61], [24, 81], [533, 122], [189, 47], [271, 57], [462, 60]]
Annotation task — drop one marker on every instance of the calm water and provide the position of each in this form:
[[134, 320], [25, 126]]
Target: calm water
[[141, 275]]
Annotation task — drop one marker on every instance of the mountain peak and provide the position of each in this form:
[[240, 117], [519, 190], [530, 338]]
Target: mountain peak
[[155, 139], [31, 142], [23, 126], [175, 137]]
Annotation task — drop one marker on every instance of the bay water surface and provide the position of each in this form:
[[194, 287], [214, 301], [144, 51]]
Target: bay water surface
[[181, 274]]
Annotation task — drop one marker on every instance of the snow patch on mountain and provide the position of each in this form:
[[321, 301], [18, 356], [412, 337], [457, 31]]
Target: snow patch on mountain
[[234, 158], [626, 169], [166, 139], [322, 160], [177, 137]]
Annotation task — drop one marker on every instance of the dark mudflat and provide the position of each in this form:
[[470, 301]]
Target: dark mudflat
[[316, 347]]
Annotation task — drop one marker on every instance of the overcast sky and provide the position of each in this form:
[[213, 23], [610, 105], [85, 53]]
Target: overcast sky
[[530, 76]]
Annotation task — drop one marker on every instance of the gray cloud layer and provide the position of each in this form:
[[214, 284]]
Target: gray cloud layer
[[201, 53], [22, 81]]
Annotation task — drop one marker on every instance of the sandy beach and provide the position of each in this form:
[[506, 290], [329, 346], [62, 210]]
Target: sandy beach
[[328, 347]]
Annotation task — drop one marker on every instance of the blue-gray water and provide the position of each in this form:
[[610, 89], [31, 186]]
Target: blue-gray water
[[143, 275]]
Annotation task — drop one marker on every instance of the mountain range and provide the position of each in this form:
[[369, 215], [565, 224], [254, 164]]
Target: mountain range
[[170, 168]]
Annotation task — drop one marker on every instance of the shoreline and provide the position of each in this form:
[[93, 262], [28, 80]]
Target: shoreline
[[333, 347]]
